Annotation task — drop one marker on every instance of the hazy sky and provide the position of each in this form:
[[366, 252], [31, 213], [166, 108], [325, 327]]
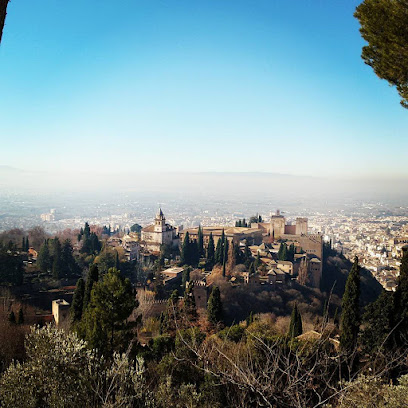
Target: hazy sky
[[222, 85]]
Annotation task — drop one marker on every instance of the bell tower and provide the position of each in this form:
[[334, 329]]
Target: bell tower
[[160, 222]]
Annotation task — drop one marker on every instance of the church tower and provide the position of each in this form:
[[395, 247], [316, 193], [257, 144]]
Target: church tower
[[160, 222]]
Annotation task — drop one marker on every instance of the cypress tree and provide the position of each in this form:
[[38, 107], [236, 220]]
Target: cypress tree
[[291, 253], [69, 264], [225, 257], [218, 252], [350, 316], [247, 254], [378, 321], [57, 266], [280, 251], [44, 258], [23, 244], [214, 306], [93, 277], [283, 252], [210, 251], [78, 301], [20, 316], [200, 242], [295, 326], [194, 253], [117, 263], [238, 255], [27, 243], [185, 250], [87, 230]]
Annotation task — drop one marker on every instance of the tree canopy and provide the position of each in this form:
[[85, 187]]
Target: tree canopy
[[384, 25], [112, 301]]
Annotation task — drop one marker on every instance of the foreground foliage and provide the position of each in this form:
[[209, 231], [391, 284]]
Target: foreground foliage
[[60, 371]]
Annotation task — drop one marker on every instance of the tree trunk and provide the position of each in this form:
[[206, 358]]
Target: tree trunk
[[3, 13]]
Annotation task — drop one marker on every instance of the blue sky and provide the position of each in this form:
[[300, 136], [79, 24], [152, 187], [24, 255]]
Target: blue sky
[[270, 86]]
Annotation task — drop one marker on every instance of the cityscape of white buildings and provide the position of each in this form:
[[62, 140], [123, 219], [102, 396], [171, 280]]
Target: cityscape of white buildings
[[377, 242], [374, 232]]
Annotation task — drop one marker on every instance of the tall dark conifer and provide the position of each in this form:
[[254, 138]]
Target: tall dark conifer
[[214, 306], [185, 250], [93, 277], [69, 264], [194, 253], [218, 252], [350, 315], [78, 301], [44, 258], [295, 326], [57, 265], [210, 251], [200, 242]]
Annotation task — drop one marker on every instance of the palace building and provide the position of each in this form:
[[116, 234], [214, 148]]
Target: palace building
[[159, 233]]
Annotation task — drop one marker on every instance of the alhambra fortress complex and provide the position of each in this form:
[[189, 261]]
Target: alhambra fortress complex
[[263, 239]]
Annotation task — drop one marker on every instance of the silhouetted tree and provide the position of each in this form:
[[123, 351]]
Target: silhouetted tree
[[200, 242], [350, 316], [185, 257], [57, 265], [78, 301], [69, 265], [214, 307], [44, 258], [384, 26], [218, 252], [93, 277], [295, 326], [210, 251]]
